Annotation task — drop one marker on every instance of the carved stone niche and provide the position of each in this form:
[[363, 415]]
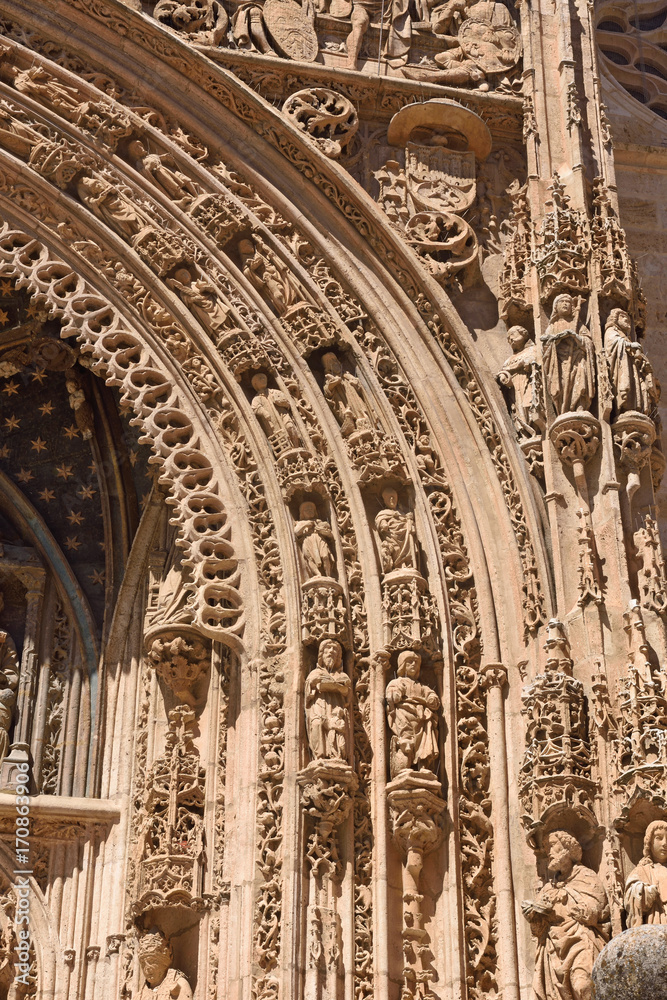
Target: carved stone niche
[[640, 861], [429, 181]]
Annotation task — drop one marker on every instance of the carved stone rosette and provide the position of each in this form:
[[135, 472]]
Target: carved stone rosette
[[416, 810]]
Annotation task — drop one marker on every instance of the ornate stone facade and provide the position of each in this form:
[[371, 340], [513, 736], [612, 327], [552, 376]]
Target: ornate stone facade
[[326, 626]]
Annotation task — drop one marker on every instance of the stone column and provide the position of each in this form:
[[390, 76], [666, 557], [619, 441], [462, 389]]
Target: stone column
[[494, 679]]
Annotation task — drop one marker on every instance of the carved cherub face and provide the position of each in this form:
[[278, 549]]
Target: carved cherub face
[[517, 337], [330, 655], [259, 382], [390, 497], [308, 511], [659, 842], [409, 665]]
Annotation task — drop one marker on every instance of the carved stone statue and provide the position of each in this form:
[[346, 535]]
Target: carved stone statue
[[570, 919], [83, 411], [268, 274], [315, 539], [631, 373], [203, 21], [412, 714], [161, 171], [568, 357], [272, 409], [9, 682], [110, 205], [646, 886], [343, 391], [396, 531], [522, 375], [327, 696], [161, 981], [202, 299]]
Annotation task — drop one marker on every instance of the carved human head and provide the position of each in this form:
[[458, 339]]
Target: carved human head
[[307, 511], [331, 363], [155, 957], [564, 850], [517, 337], [390, 497], [655, 841], [246, 249], [259, 382], [183, 276], [330, 654], [563, 306], [409, 664], [619, 318], [137, 149]]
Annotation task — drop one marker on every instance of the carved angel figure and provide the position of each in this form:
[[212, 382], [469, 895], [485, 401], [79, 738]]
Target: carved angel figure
[[202, 299], [568, 357], [161, 981], [315, 538], [9, 682], [396, 531], [635, 387], [343, 392], [570, 919], [327, 696], [646, 886], [412, 714], [522, 375], [272, 409]]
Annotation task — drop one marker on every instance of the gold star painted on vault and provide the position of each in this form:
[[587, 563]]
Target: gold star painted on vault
[[47, 495], [6, 288], [86, 492], [24, 476], [3, 317], [12, 423], [4, 451], [75, 517], [72, 542], [46, 409], [97, 577], [64, 471], [38, 445], [39, 376], [11, 388], [33, 310], [71, 431]]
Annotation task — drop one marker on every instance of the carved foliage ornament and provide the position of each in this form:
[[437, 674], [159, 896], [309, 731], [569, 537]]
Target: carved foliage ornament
[[329, 118]]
